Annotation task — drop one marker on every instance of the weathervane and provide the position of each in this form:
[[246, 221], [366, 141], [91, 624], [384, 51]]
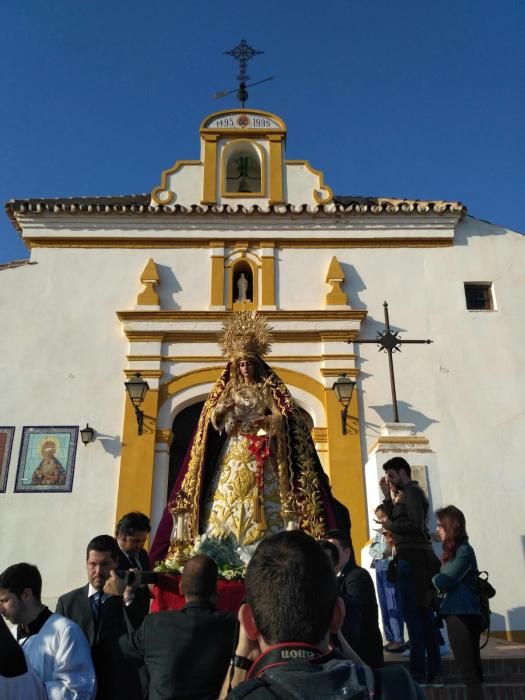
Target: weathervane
[[390, 342], [242, 53]]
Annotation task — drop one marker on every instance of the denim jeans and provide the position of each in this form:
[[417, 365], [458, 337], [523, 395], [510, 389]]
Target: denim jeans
[[389, 604], [421, 627]]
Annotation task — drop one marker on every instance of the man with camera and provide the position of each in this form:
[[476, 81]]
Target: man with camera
[[101, 618]]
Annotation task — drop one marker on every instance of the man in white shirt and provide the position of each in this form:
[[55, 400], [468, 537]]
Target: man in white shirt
[[55, 647]]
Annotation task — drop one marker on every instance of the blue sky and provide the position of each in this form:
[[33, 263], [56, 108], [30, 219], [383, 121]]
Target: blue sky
[[406, 98]]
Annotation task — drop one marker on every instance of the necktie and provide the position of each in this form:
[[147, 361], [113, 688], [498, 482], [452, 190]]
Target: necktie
[[134, 563], [96, 605]]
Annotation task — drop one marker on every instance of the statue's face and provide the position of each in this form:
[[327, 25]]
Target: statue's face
[[247, 368]]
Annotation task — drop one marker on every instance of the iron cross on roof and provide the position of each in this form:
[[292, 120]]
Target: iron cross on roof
[[243, 53], [390, 342]]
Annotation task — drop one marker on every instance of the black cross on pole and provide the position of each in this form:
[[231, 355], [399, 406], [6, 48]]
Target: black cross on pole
[[243, 53], [390, 342]]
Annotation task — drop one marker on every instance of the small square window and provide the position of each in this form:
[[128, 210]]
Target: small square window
[[479, 296]]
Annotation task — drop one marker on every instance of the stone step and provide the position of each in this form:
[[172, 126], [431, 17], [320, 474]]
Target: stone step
[[493, 691], [495, 670]]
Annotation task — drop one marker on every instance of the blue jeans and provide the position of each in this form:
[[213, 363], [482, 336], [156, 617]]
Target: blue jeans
[[421, 627], [389, 604]]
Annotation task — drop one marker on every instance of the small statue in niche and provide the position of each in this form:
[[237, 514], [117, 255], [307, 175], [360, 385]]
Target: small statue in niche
[[242, 288]]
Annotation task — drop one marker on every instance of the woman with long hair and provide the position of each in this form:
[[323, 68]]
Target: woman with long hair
[[456, 583]]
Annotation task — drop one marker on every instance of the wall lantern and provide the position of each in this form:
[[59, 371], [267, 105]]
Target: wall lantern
[[344, 387], [137, 389], [87, 434]]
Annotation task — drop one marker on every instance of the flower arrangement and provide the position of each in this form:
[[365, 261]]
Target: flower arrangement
[[223, 552]]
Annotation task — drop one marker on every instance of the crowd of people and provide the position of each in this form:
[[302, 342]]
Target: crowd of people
[[309, 627]]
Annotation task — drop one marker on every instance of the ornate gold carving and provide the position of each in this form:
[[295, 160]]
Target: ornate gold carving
[[149, 278], [247, 333], [320, 434], [165, 435], [335, 277]]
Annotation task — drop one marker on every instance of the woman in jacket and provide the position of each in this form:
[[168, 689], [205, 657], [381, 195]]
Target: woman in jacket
[[456, 583]]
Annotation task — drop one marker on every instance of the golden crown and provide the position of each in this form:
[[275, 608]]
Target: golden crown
[[246, 333]]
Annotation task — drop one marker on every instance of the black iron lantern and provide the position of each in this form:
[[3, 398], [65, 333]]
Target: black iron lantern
[[344, 388], [137, 388], [87, 434]]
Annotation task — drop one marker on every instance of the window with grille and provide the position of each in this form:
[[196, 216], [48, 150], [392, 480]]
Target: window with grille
[[479, 296]]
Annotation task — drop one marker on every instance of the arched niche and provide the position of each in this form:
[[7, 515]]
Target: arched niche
[[243, 170], [243, 285]]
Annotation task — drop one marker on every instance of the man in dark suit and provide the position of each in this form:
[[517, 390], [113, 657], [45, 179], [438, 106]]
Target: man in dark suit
[[187, 651], [132, 531], [101, 617], [361, 624]]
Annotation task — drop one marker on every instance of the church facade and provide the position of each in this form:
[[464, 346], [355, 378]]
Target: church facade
[[142, 284]]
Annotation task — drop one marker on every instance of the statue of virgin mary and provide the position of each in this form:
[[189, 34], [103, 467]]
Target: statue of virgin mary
[[252, 468]]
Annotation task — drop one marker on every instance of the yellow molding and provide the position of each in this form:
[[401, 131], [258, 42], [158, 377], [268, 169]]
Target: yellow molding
[[272, 316], [320, 434], [324, 188], [268, 280], [276, 169], [335, 277], [209, 179], [338, 371], [164, 436], [211, 336], [262, 162], [153, 373], [164, 181], [281, 243], [218, 358], [217, 280]]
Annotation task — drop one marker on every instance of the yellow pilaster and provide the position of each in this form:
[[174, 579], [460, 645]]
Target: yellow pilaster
[[268, 274], [217, 275], [346, 468], [137, 458], [276, 168], [209, 188]]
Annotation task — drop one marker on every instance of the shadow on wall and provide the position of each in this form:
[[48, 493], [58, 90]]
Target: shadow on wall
[[112, 444], [516, 618], [352, 286], [407, 414], [471, 227], [168, 287]]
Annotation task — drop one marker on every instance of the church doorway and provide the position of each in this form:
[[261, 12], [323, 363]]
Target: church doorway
[[183, 427]]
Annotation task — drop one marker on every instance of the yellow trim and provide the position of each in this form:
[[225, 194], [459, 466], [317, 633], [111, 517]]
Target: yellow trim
[[216, 358], [217, 276], [312, 336], [222, 112], [272, 315], [346, 466], [187, 380], [268, 278], [209, 178], [276, 169], [281, 243], [320, 435], [163, 187], [338, 371], [262, 162], [510, 635], [151, 373], [165, 436], [320, 174], [137, 458]]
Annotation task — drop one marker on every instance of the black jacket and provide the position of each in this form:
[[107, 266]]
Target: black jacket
[[115, 681], [142, 600], [186, 652], [361, 625]]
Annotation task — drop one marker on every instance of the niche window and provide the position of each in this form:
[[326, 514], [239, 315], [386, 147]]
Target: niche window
[[479, 296], [243, 171], [242, 288]]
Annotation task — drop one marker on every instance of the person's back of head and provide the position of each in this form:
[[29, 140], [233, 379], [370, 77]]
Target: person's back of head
[[199, 578], [19, 577], [291, 588]]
